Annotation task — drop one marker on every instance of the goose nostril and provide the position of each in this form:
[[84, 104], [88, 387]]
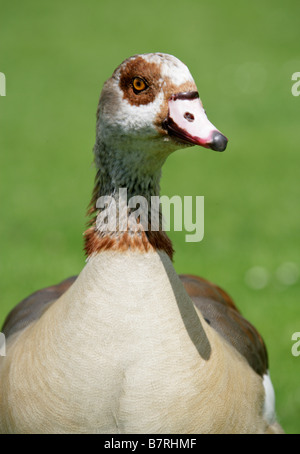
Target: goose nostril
[[189, 116]]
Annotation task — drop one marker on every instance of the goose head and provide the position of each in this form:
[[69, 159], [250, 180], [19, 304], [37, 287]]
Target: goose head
[[149, 108]]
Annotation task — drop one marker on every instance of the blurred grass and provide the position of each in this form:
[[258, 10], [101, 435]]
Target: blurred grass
[[56, 56]]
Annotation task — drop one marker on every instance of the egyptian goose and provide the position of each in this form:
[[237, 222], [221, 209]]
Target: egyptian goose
[[129, 346]]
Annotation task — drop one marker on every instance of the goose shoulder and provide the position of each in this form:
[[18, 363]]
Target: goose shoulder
[[33, 307]]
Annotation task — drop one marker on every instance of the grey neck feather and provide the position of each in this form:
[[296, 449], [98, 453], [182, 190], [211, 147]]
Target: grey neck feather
[[137, 171]]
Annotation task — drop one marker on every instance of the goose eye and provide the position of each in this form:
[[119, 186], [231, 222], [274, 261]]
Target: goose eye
[[139, 85]]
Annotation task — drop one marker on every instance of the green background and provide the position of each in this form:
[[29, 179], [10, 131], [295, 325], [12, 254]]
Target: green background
[[56, 55]]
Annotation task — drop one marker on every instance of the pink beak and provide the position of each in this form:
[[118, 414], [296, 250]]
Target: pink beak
[[187, 121]]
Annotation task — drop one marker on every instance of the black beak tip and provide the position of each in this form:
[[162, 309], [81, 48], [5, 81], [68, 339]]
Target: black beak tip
[[218, 142]]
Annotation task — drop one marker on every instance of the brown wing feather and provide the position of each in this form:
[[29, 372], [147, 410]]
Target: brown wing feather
[[32, 307], [220, 312]]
